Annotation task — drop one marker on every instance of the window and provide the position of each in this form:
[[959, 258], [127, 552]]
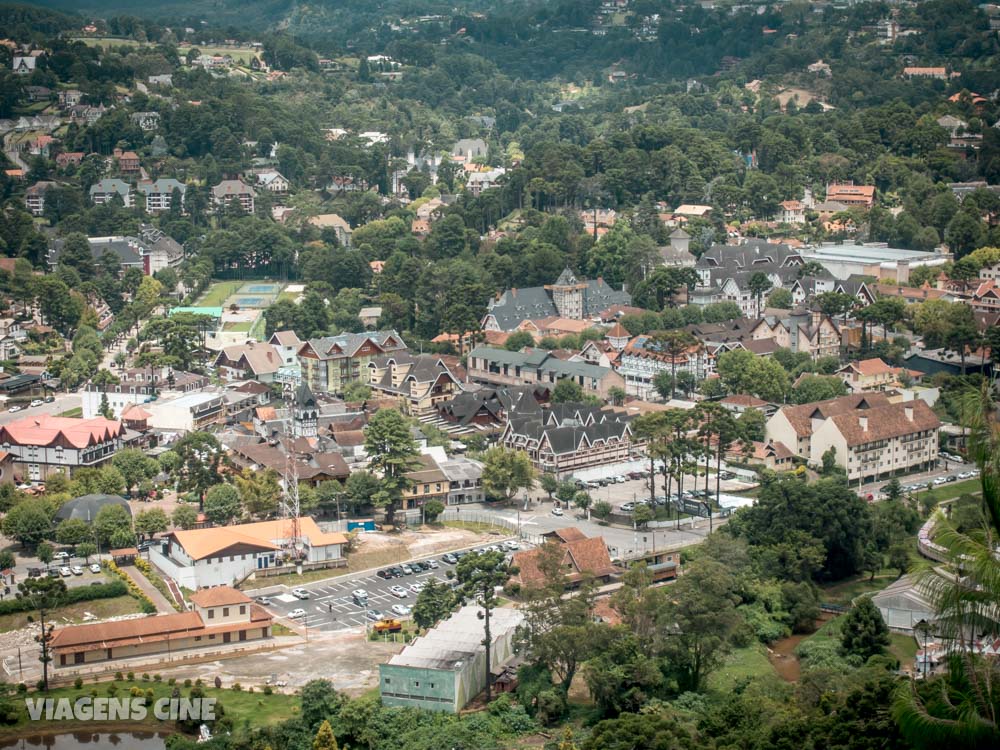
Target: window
[[225, 611], [387, 680], [416, 683], [211, 614], [243, 609], [211, 637]]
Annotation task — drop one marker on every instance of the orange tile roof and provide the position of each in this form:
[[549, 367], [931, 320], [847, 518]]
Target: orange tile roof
[[47, 430], [586, 556], [886, 422], [202, 543], [800, 417], [617, 331], [219, 596]]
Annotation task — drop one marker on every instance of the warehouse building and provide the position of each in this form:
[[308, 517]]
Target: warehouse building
[[444, 669]]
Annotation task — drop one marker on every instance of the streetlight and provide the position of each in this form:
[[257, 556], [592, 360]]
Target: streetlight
[[923, 627]]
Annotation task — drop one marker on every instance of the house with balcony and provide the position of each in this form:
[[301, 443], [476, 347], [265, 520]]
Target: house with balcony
[[421, 382], [107, 189], [34, 197], [159, 193], [42, 445], [330, 363], [234, 192], [644, 357], [570, 437], [871, 437], [875, 375], [537, 367]]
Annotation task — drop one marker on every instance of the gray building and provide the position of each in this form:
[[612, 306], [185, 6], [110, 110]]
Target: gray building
[[444, 669]]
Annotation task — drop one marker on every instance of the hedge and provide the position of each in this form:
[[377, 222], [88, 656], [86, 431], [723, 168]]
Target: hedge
[[72, 596]]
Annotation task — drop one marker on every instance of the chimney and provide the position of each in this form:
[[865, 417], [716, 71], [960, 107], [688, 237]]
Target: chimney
[[908, 411], [863, 421]]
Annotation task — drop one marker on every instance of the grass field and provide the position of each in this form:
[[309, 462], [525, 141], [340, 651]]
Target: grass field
[[743, 663], [74, 613], [243, 707], [844, 592], [241, 55], [76, 411], [104, 42], [218, 293], [242, 326], [950, 491]]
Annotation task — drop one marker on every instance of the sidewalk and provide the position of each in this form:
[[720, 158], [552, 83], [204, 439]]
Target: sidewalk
[[163, 605]]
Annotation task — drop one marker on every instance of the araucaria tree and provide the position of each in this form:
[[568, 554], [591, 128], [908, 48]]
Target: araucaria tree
[[479, 576], [392, 454]]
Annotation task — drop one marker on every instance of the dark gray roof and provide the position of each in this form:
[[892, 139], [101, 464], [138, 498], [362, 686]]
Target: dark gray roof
[[87, 507], [350, 342], [569, 438], [512, 400], [542, 360], [128, 249], [534, 303]]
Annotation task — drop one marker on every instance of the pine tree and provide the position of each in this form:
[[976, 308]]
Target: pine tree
[[324, 737], [864, 631]]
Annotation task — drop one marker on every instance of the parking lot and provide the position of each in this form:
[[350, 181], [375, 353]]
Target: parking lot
[[330, 606], [623, 493]]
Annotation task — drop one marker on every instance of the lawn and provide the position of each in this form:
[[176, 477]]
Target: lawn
[[239, 54], [741, 664], [244, 707], [949, 491], [844, 592], [76, 411], [218, 293], [240, 326], [105, 42], [74, 613], [903, 647]]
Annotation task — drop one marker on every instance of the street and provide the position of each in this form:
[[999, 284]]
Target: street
[[63, 402]]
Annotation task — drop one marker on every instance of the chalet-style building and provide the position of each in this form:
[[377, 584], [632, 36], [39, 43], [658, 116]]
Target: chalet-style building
[[536, 367], [43, 444], [329, 364], [420, 382]]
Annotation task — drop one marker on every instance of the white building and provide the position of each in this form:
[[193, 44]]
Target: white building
[[187, 412], [878, 260], [226, 555]]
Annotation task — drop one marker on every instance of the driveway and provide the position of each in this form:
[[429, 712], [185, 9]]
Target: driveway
[[63, 402]]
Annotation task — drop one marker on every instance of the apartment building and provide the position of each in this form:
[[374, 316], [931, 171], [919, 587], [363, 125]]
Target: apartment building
[[871, 437], [644, 358], [160, 193], [420, 382], [42, 445], [234, 191], [330, 363]]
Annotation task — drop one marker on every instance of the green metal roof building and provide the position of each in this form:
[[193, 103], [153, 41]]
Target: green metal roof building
[[444, 669]]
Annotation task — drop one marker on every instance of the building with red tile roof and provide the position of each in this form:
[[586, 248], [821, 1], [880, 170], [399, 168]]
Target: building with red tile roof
[[44, 444]]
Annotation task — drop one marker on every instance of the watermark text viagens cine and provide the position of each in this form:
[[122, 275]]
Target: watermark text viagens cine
[[120, 709]]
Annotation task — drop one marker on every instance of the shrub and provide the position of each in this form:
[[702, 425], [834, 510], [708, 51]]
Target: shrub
[[112, 689], [78, 683], [187, 682], [237, 687], [268, 690], [157, 678], [150, 695], [145, 676], [172, 681], [40, 685], [22, 688], [135, 691], [118, 676], [130, 676]]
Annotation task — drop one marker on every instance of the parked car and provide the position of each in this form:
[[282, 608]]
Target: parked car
[[396, 572], [557, 511], [373, 614], [65, 572], [628, 507], [35, 572], [416, 588], [399, 592], [384, 575], [940, 480], [76, 570], [407, 570], [400, 609], [36, 402], [62, 555], [387, 626], [296, 613], [15, 408], [49, 399], [511, 545], [95, 568], [300, 593], [264, 600], [449, 558], [951, 479], [360, 597], [433, 564], [52, 573]]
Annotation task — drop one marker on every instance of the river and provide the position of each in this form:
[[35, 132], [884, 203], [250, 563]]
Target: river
[[782, 656], [90, 740]]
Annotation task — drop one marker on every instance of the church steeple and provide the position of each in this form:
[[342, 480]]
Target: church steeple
[[305, 413]]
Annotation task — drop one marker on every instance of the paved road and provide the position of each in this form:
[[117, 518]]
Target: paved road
[[63, 402], [330, 607]]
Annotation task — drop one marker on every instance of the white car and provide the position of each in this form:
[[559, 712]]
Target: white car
[[95, 568], [416, 588], [400, 609], [300, 593], [557, 511], [940, 480], [77, 570], [15, 408], [399, 592], [36, 402], [65, 572], [359, 594], [296, 613], [433, 564]]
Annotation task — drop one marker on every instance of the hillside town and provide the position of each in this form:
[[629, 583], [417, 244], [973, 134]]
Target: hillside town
[[591, 412]]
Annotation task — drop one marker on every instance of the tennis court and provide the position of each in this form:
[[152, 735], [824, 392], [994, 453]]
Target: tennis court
[[260, 289]]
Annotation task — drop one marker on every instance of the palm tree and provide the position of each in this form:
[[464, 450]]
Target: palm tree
[[962, 709]]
